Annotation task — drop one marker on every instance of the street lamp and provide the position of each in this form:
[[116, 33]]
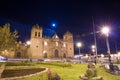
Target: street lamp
[[102, 58], [79, 44], [28, 49], [93, 50], [105, 30], [93, 46]]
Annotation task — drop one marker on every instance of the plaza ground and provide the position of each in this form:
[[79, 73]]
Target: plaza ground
[[71, 72]]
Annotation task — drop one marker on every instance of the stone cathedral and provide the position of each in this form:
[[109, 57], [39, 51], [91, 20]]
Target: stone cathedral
[[53, 48]]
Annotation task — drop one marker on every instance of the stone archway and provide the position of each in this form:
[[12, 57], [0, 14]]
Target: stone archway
[[45, 55], [64, 55], [56, 53]]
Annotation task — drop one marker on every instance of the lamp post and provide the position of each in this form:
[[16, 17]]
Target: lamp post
[[102, 58], [93, 50], [79, 44], [105, 30], [28, 49]]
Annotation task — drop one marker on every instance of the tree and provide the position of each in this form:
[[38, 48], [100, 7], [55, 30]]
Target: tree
[[8, 40]]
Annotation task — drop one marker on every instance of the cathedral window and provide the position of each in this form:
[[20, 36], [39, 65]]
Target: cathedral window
[[45, 43], [35, 34], [56, 43], [64, 45], [37, 46], [39, 34]]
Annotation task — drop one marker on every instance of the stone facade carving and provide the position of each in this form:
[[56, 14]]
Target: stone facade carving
[[42, 47]]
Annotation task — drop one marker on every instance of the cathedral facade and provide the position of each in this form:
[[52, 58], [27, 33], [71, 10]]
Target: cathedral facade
[[52, 48]]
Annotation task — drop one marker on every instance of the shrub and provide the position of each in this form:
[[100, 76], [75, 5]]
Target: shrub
[[18, 64], [2, 63], [58, 64], [52, 76], [118, 61]]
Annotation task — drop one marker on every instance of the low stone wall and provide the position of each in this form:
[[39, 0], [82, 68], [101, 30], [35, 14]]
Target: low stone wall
[[2, 67], [94, 78], [20, 77]]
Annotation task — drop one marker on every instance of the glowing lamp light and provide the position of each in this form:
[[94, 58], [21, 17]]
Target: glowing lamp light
[[111, 55], [86, 55], [28, 42], [79, 44], [93, 50], [93, 46], [102, 55], [105, 30]]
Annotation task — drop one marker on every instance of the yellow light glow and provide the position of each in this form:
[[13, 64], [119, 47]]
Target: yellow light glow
[[45, 43], [79, 44], [93, 46], [105, 30], [102, 55], [28, 42]]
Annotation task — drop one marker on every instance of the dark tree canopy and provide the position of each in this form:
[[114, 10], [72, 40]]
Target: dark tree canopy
[[8, 39]]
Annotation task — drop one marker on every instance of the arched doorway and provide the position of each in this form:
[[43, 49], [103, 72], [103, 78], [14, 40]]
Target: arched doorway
[[18, 55], [45, 55], [64, 55], [56, 54]]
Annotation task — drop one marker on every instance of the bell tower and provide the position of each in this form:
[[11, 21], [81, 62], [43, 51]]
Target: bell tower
[[68, 38], [36, 46], [36, 31]]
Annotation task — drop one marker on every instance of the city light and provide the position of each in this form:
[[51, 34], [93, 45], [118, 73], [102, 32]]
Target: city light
[[28, 42], [105, 30], [93, 50], [93, 46], [79, 44], [102, 55]]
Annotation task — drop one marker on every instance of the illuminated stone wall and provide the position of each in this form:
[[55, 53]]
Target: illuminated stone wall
[[43, 47]]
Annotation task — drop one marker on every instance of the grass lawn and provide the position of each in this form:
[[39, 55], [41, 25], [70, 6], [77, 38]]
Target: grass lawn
[[107, 76], [68, 73]]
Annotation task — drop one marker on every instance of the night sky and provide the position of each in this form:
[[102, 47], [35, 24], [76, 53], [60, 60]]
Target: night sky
[[73, 16]]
